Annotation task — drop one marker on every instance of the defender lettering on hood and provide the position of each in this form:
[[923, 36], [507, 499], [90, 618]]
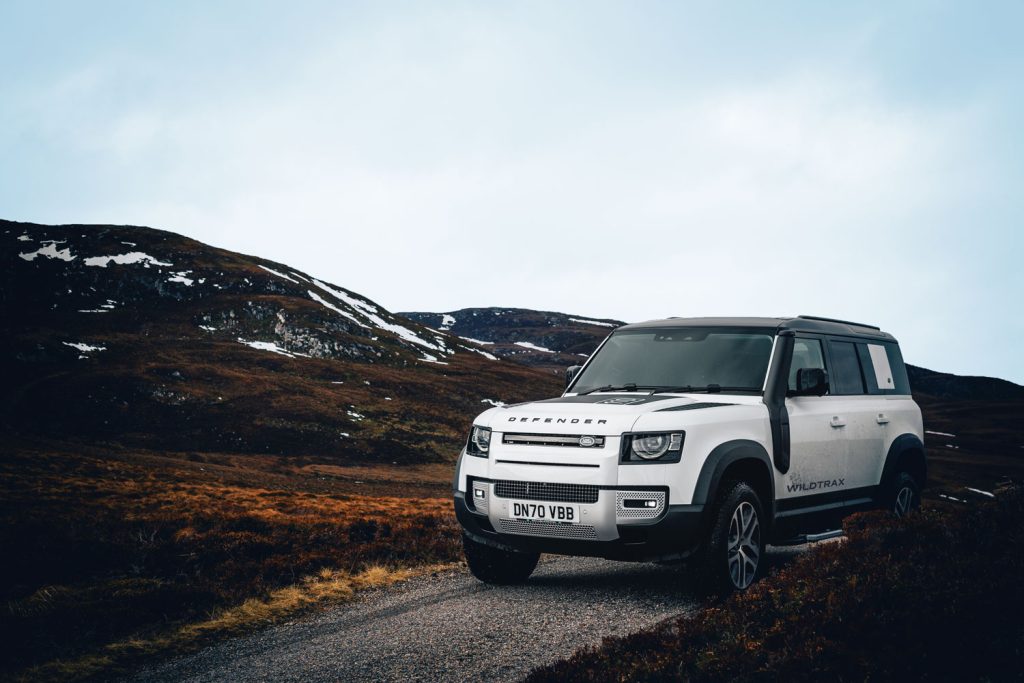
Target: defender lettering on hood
[[560, 420]]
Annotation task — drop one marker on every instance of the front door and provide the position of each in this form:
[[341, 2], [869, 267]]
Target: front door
[[819, 455]]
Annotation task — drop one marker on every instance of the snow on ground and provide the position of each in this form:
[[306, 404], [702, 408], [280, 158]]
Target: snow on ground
[[432, 359], [979, 491], [320, 300], [447, 321], [180, 277], [488, 356], [84, 348], [304, 279], [93, 310], [533, 347], [354, 415], [272, 347], [208, 328], [591, 322], [50, 251], [369, 312], [952, 436], [476, 341], [496, 404], [280, 275], [130, 258], [24, 238]]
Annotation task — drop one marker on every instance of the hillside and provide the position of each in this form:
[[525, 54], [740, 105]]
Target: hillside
[[543, 339], [143, 338]]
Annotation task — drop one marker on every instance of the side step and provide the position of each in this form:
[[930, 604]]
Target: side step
[[810, 538]]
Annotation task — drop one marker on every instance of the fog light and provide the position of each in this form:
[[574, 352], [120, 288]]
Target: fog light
[[650, 504], [478, 493]]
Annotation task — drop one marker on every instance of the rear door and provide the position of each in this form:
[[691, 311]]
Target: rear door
[[862, 434]]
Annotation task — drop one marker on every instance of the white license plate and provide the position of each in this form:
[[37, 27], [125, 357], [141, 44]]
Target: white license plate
[[539, 510]]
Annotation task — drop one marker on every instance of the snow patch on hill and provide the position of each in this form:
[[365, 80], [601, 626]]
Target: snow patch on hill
[[132, 257], [591, 322], [280, 275], [50, 251], [533, 347]]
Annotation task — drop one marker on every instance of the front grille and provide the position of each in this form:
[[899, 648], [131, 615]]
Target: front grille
[[535, 528], [564, 440], [555, 493]]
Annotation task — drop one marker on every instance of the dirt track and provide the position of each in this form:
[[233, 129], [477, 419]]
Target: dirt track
[[450, 627]]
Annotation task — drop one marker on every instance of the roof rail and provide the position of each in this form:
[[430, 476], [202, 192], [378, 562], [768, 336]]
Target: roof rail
[[834, 320]]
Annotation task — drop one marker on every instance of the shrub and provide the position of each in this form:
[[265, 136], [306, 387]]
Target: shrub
[[934, 596]]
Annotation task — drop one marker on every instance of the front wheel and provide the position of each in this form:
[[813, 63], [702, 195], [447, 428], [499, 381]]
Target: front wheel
[[732, 557], [905, 495], [497, 566]]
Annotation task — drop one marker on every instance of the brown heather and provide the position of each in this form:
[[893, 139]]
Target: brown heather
[[934, 597], [109, 558]]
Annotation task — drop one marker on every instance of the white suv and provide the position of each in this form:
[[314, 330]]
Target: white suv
[[699, 439]]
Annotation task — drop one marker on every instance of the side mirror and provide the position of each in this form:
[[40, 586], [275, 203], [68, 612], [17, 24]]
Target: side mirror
[[570, 374], [811, 382]]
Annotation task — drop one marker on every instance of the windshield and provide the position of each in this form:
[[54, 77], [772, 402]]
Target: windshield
[[698, 358]]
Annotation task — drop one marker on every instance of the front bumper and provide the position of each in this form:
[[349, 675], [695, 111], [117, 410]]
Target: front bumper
[[674, 534]]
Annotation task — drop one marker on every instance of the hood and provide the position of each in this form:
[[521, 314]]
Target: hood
[[599, 414]]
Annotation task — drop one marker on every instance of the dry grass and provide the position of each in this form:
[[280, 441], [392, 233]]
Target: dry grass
[[114, 557], [327, 587]]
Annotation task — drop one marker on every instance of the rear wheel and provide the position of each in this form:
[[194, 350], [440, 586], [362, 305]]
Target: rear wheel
[[731, 559], [494, 565], [904, 495]]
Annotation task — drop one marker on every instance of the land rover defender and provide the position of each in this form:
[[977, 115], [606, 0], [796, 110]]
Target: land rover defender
[[699, 439]]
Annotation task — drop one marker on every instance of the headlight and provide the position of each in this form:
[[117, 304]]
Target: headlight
[[666, 447], [479, 441]]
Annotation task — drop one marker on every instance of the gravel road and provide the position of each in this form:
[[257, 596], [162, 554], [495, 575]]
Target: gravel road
[[450, 627]]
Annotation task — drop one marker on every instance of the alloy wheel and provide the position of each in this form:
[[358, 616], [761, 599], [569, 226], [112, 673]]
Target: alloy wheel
[[744, 545], [904, 501]]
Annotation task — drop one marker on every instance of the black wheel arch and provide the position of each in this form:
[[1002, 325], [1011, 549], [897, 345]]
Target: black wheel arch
[[906, 454], [740, 459]]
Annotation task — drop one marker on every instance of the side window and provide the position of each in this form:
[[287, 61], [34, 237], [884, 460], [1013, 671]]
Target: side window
[[884, 371], [806, 354], [845, 378]]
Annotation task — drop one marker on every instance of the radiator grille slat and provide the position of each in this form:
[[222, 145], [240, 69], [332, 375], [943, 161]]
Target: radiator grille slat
[[555, 493], [563, 440], [535, 528]]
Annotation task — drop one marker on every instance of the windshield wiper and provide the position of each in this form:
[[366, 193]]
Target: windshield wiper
[[709, 389], [621, 387]]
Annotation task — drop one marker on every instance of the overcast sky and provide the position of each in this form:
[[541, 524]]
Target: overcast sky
[[628, 160]]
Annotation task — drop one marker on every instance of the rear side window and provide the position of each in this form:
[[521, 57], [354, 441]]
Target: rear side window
[[845, 376], [884, 371]]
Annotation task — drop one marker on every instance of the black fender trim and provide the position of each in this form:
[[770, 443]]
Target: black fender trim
[[901, 445], [720, 458]]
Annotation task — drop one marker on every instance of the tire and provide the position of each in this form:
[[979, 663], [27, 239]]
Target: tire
[[904, 495], [497, 566], [733, 556]]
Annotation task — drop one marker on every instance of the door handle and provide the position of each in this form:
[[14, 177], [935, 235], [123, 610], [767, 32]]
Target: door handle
[[882, 419], [837, 421]]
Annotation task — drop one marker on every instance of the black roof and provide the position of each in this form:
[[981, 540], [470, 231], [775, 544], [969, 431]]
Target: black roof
[[802, 323]]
